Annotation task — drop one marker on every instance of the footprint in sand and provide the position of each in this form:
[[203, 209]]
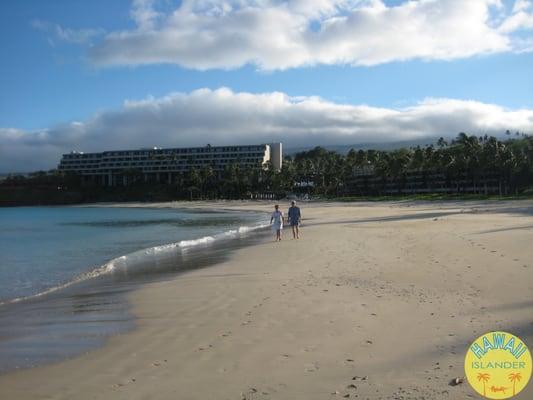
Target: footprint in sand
[[254, 393], [119, 385], [311, 367]]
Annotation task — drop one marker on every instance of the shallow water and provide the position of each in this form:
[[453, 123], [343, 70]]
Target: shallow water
[[64, 271], [44, 247]]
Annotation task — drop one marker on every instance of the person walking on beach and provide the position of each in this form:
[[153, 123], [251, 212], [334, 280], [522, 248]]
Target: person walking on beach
[[277, 221], [295, 217]]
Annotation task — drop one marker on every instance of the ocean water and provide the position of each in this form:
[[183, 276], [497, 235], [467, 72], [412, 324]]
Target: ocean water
[[64, 270], [43, 248]]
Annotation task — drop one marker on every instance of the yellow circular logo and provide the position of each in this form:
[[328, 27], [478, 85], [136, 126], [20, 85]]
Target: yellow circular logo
[[498, 365]]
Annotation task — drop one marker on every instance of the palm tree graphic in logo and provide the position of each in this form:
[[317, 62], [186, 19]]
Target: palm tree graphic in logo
[[515, 377], [485, 378]]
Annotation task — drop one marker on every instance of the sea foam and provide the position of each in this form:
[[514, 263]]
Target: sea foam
[[141, 257]]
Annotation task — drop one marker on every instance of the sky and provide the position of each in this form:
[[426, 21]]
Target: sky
[[123, 74]]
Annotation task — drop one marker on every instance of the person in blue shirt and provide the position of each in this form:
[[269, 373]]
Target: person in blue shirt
[[295, 217]]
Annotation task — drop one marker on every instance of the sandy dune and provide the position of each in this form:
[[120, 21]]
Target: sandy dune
[[376, 301]]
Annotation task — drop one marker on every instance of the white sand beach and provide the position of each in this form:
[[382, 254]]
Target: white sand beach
[[375, 301]]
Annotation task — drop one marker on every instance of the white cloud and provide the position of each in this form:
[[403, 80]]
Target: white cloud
[[144, 15], [521, 5], [226, 117], [56, 32], [281, 34], [521, 20]]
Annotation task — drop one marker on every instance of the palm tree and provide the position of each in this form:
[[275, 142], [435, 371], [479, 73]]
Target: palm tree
[[469, 149], [430, 166], [398, 161], [515, 377], [485, 378], [285, 181], [451, 164], [382, 167], [194, 181], [207, 179], [417, 159], [507, 166], [228, 178]]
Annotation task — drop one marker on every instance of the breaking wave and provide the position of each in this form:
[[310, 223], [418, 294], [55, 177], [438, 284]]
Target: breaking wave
[[142, 260]]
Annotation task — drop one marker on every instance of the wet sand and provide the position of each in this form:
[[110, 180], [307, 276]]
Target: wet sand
[[375, 301]]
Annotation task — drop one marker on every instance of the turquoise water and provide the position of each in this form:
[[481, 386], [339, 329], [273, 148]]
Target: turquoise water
[[65, 271], [42, 248]]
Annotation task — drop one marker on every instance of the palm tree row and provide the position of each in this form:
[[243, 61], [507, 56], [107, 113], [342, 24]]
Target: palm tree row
[[467, 164]]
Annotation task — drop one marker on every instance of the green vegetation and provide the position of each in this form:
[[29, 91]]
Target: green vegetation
[[468, 167]]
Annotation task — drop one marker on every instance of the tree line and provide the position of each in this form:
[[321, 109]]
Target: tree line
[[466, 164]]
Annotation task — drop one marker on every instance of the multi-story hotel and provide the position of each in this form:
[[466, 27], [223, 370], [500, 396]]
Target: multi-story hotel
[[163, 165]]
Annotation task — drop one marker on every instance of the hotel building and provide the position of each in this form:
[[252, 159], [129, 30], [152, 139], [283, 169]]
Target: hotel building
[[117, 167]]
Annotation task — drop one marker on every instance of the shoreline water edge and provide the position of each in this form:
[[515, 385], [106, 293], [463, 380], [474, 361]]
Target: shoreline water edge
[[374, 301], [80, 315]]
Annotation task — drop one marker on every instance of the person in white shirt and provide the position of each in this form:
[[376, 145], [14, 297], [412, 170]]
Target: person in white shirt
[[277, 221]]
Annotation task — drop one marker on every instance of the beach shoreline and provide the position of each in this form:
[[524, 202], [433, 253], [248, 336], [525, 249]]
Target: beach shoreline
[[80, 311], [377, 301]]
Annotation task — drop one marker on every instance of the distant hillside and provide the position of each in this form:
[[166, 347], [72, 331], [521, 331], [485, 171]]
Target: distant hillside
[[343, 149], [5, 175], [385, 146]]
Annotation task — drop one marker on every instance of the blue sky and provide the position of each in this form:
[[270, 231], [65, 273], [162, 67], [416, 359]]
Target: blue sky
[[72, 69]]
